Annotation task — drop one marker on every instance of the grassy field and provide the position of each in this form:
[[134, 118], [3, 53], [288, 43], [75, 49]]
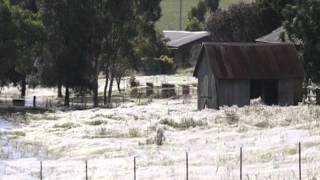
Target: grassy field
[[170, 12]]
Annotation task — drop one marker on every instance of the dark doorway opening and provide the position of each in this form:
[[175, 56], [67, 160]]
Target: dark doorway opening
[[266, 89], [256, 89], [271, 92]]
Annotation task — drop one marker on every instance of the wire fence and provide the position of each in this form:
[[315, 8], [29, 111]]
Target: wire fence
[[236, 165], [139, 95]]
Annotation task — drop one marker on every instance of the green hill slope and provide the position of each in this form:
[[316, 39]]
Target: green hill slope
[[170, 12]]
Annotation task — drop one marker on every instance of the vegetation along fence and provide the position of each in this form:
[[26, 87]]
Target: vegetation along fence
[[139, 95], [86, 174]]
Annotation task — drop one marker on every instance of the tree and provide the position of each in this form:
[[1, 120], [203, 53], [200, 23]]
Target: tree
[[133, 36], [97, 23], [193, 24], [122, 31], [7, 42], [239, 23], [67, 26], [32, 5], [212, 5], [197, 15], [29, 41], [271, 11], [302, 23], [149, 42], [22, 43], [275, 7]]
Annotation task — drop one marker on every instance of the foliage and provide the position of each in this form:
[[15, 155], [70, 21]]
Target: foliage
[[70, 42], [240, 23], [193, 24], [197, 15], [170, 8], [168, 64], [185, 123], [75, 33], [275, 6], [22, 34], [302, 23], [213, 5], [7, 41]]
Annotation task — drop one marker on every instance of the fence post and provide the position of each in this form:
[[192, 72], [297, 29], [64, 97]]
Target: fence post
[[240, 163], [134, 168], [299, 160], [187, 166], [34, 101], [41, 170], [86, 169]]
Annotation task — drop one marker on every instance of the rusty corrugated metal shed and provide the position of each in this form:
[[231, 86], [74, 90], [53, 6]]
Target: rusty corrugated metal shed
[[252, 61]]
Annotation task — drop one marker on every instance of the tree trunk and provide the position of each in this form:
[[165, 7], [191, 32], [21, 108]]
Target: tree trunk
[[60, 91], [105, 89], [110, 89], [67, 97], [23, 86], [95, 93], [118, 79]]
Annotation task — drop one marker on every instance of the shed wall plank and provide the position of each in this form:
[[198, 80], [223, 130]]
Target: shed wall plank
[[234, 92]]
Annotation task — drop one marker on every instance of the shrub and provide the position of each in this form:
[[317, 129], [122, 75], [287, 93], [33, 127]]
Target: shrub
[[95, 122], [133, 82], [185, 123], [67, 125], [133, 133], [102, 131], [231, 116], [168, 65]]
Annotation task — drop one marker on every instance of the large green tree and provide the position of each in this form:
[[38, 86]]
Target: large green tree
[[67, 25], [133, 36], [198, 14], [119, 40], [22, 34], [7, 42], [29, 39], [302, 22], [239, 23]]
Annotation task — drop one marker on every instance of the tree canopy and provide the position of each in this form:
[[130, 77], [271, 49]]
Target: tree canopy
[[302, 22], [22, 33], [198, 14]]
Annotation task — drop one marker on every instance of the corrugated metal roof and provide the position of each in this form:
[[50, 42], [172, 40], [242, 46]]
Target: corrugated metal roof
[[252, 61], [274, 37], [181, 38]]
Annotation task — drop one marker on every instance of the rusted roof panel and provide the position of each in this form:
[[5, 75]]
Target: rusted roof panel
[[253, 61]]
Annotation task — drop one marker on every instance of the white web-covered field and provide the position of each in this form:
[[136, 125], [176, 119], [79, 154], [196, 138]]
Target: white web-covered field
[[110, 138]]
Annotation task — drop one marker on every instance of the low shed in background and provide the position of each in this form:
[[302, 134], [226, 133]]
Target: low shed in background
[[234, 73], [185, 46]]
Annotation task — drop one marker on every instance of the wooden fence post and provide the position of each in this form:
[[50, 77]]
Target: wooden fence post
[[299, 160], [241, 163], [187, 166], [86, 169], [34, 101], [40, 170], [134, 168]]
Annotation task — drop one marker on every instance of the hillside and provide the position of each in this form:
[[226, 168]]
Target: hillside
[[170, 12]]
